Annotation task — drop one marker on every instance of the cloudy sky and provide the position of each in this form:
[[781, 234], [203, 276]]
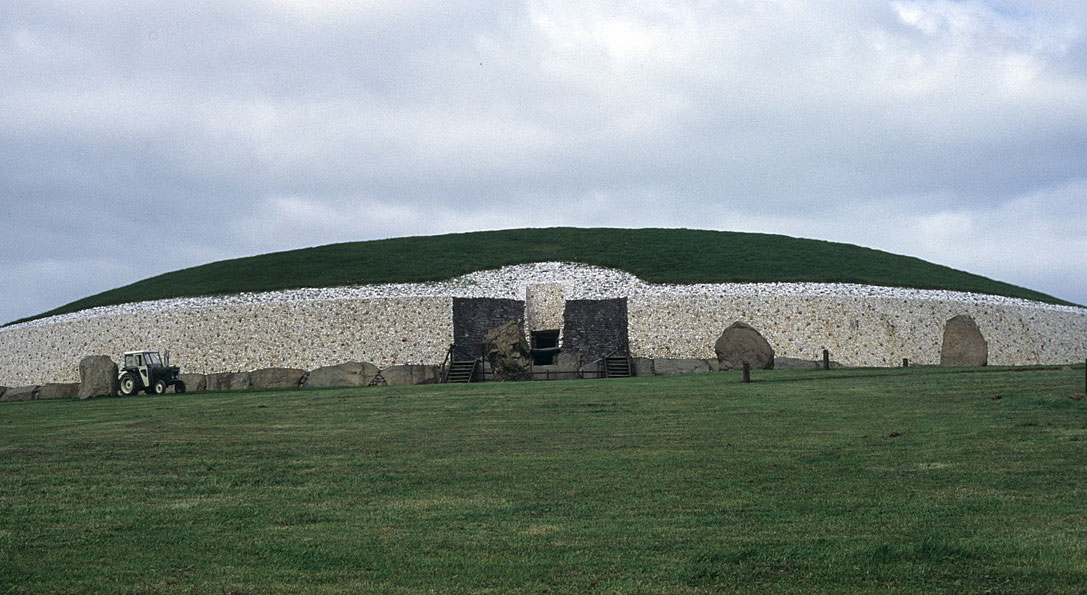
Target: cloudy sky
[[138, 138]]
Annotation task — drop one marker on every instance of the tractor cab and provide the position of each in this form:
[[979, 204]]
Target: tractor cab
[[149, 372]]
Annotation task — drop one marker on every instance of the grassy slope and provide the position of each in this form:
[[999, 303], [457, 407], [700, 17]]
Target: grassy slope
[[655, 255], [801, 481]]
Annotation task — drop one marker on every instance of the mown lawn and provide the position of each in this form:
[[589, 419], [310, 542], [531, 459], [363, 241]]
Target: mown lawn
[[801, 481]]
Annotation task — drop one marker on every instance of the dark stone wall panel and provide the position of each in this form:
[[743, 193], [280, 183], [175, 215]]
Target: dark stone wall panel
[[473, 317], [595, 328]]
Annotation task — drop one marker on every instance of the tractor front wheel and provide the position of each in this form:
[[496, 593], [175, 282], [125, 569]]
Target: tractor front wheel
[[179, 387], [159, 387], [127, 385]]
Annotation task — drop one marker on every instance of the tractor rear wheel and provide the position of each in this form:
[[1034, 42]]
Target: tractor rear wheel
[[127, 385]]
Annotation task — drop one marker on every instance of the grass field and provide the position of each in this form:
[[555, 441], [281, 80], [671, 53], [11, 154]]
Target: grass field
[[852, 480], [654, 255]]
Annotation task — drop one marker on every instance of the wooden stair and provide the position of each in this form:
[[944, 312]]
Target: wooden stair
[[617, 367], [462, 371]]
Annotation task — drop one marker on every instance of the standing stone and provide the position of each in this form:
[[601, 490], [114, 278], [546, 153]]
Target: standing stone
[[97, 377], [743, 343], [963, 343], [509, 353], [345, 374]]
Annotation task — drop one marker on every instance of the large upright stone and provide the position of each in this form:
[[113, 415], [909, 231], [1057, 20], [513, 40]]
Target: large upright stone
[[345, 374], [509, 353], [964, 344], [97, 377], [743, 343]]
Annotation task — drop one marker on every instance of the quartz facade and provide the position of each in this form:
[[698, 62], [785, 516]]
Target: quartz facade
[[238, 338], [413, 323], [544, 304]]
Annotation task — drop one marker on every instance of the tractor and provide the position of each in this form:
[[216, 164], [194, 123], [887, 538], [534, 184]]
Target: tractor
[[147, 371]]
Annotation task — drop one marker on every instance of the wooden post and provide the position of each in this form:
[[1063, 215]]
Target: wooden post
[[905, 362], [747, 372], [826, 359]]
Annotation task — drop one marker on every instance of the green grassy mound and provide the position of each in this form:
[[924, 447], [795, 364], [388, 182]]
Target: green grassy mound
[[654, 255], [804, 482]]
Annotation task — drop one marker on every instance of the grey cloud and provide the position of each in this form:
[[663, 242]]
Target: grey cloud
[[239, 120]]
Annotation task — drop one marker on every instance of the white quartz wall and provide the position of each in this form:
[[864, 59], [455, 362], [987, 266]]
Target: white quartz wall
[[412, 323], [238, 338], [858, 331], [544, 304]]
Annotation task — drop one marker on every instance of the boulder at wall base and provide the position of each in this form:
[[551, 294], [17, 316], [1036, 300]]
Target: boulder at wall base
[[792, 363], [57, 390], [664, 367], [228, 381], [218, 381], [643, 366], [239, 381], [267, 378], [97, 377], [411, 374], [345, 374], [194, 383], [509, 353], [963, 344], [21, 393], [743, 343]]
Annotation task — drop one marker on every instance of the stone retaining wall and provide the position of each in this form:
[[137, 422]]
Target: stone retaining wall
[[544, 306], [868, 331], [412, 324], [237, 338]]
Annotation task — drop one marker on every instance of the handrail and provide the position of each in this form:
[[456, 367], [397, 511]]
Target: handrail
[[444, 368], [615, 353]]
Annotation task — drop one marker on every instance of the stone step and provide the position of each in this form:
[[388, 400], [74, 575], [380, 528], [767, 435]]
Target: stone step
[[462, 371], [617, 367]]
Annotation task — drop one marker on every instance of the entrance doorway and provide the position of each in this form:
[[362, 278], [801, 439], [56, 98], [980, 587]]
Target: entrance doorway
[[545, 346]]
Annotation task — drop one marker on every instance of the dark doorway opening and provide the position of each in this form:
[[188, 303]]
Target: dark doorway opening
[[545, 346]]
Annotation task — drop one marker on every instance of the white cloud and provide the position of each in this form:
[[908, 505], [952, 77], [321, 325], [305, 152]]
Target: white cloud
[[925, 127]]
